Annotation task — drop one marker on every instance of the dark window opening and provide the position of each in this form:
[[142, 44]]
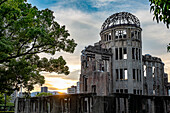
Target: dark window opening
[[138, 92], [116, 34], [141, 92], [126, 90], [93, 88], [121, 90], [121, 74], [134, 91], [120, 53], [137, 74], [139, 55], [132, 34], [138, 35], [136, 53], [140, 75], [117, 91], [134, 74], [133, 53], [117, 74], [120, 34], [116, 49], [110, 36], [85, 83]]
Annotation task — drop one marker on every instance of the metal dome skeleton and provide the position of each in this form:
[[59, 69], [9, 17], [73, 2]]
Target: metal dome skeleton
[[122, 18]]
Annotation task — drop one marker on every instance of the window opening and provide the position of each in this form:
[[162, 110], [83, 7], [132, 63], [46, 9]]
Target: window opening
[[133, 74], [133, 53], [136, 53], [141, 92], [124, 53], [126, 74], [121, 90], [117, 91], [120, 34], [153, 71], [139, 55], [121, 74], [93, 88], [120, 53], [85, 82], [126, 90], [110, 36], [117, 74], [140, 75], [124, 33], [136, 34], [132, 34], [144, 70], [134, 91], [116, 49], [116, 34], [137, 74]]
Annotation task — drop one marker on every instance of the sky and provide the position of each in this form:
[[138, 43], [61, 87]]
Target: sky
[[84, 18]]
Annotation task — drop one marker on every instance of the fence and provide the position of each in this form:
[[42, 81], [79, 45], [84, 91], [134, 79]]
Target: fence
[[90, 103]]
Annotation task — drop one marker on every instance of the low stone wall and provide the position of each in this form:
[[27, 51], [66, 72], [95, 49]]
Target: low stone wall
[[89, 103]]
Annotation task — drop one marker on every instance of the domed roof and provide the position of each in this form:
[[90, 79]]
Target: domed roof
[[122, 18]]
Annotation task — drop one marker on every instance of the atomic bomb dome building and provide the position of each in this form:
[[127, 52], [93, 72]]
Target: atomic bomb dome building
[[115, 64]]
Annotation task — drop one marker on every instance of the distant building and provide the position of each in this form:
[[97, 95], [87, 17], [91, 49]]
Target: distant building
[[44, 89], [72, 90], [78, 87]]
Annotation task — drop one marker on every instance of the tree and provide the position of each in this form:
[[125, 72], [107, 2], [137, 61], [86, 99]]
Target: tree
[[43, 94], [161, 9], [2, 99], [26, 31]]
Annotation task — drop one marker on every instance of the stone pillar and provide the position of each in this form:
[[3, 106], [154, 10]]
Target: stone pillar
[[56, 105], [16, 105], [73, 104]]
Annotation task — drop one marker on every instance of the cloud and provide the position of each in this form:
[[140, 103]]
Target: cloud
[[83, 19], [74, 75]]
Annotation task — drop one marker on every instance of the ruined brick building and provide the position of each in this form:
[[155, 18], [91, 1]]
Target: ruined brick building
[[115, 64]]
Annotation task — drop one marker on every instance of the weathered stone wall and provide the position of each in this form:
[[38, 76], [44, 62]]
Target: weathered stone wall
[[95, 71], [153, 72], [89, 103]]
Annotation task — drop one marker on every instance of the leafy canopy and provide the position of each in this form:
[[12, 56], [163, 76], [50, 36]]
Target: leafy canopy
[[161, 9], [43, 94], [26, 31]]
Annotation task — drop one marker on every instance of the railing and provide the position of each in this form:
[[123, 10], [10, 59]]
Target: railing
[[90, 103]]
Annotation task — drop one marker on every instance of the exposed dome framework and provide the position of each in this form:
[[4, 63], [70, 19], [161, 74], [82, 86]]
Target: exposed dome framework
[[121, 18]]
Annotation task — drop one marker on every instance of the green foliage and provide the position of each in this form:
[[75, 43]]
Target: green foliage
[[26, 31], [161, 9], [2, 99], [43, 94], [168, 48]]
